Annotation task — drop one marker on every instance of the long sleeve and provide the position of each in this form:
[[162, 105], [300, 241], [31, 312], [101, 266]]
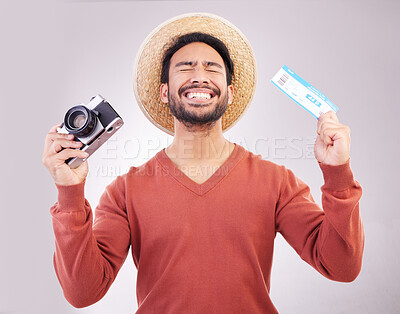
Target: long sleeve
[[331, 240], [89, 255]]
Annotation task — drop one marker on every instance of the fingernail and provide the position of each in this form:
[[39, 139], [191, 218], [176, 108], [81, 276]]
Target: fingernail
[[70, 136]]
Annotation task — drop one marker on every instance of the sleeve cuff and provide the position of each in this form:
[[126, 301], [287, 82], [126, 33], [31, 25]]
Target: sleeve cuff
[[71, 197], [337, 178]]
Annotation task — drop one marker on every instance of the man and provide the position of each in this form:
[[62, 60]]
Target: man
[[201, 216]]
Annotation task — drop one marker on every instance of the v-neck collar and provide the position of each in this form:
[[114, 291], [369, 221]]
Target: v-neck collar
[[200, 188]]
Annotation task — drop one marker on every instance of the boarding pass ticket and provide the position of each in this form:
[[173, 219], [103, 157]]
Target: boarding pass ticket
[[302, 92]]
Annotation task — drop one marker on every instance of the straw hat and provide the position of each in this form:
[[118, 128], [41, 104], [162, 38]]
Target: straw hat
[[148, 66]]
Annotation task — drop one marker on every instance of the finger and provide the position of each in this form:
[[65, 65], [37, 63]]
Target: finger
[[54, 161], [331, 115], [51, 137], [327, 116], [340, 128], [327, 139], [321, 121], [330, 135], [61, 143], [56, 135], [50, 159], [71, 153], [328, 123]]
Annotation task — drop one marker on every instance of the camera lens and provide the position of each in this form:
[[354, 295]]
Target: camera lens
[[80, 121]]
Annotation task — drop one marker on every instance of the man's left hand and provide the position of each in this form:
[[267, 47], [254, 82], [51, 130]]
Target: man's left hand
[[332, 146]]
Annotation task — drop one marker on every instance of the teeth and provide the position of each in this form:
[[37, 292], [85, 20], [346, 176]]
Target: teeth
[[198, 95]]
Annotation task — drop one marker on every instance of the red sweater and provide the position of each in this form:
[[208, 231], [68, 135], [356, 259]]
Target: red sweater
[[205, 248]]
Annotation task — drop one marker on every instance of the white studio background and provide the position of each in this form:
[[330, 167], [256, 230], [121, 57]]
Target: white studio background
[[55, 54]]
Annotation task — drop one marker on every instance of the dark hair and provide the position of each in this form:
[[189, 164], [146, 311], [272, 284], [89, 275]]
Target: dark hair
[[184, 40]]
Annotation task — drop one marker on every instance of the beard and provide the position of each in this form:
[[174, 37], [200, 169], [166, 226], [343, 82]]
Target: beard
[[194, 119]]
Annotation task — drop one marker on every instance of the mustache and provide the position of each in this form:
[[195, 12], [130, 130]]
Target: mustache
[[185, 88]]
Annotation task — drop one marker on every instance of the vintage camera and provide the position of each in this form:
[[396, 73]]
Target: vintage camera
[[92, 125]]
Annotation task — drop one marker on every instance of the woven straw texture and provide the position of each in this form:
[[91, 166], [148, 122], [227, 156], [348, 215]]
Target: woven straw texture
[[148, 66]]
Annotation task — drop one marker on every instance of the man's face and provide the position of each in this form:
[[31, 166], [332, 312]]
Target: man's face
[[197, 91]]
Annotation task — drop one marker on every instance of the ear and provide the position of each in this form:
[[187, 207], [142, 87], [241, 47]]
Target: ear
[[230, 94], [164, 93]]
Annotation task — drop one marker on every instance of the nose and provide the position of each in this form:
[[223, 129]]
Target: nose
[[199, 77]]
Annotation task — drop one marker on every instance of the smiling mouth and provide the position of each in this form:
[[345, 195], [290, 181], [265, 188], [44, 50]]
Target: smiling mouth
[[202, 95]]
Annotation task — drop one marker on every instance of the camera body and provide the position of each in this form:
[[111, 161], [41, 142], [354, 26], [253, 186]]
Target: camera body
[[92, 125]]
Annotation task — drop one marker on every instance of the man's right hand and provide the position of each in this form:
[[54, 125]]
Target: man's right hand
[[57, 149]]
